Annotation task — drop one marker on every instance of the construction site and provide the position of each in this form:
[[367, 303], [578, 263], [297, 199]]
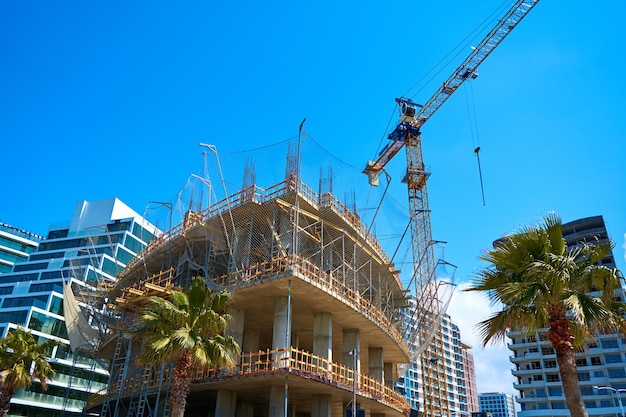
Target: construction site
[[327, 317], [315, 309]]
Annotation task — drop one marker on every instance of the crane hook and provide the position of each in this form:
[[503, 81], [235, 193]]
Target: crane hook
[[480, 174]]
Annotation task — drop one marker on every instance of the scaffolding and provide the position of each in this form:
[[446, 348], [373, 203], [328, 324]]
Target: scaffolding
[[247, 240]]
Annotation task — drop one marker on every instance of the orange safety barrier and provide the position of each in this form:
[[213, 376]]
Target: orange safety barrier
[[266, 362]]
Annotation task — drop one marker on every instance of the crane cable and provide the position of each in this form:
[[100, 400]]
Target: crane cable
[[473, 121], [451, 55]]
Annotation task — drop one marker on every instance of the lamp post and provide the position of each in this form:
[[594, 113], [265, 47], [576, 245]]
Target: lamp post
[[354, 354], [617, 392]]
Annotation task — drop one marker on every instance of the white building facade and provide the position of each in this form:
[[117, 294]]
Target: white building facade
[[426, 392], [88, 251], [602, 363]]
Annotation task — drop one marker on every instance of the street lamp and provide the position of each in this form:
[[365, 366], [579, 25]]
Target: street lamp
[[354, 353], [616, 391]]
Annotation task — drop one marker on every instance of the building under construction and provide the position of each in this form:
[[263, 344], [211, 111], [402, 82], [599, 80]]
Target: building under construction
[[316, 306]]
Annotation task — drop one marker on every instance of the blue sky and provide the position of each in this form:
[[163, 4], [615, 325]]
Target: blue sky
[[104, 99]]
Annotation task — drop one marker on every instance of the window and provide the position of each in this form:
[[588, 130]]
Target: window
[[142, 233], [547, 351], [17, 317], [613, 358], [41, 256], [609, 344], [133, 244], [56, 306], [581, 362], [595, 360], [47, 324], [617, 373], [584, 376], [549, 364], [555, 392], [552, 377]]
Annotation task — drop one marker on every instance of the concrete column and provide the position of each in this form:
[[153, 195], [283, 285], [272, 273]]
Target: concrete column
[[376, 364], [280, 337], [250, 341], [320, 406], [391, 374], [245, 410], [277, 401], [235, 326], [323, 335], [226, 404], [351, 340]]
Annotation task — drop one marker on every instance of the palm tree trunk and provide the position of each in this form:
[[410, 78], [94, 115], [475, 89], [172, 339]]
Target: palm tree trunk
[[180, 385], [561, 338], [5, 402]]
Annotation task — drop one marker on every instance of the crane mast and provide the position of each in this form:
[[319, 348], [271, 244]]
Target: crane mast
[[429, 306]]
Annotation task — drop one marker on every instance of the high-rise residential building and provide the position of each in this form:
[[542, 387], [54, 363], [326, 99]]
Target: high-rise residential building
[[88, 251], [426, 392], [15, 245], [496, 404], [602, 363], [469, 370]]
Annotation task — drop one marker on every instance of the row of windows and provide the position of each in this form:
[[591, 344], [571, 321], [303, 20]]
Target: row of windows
[[11, 257], [13, 244], [81, 242]]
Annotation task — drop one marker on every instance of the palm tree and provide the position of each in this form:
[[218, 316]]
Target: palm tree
[[186, 329], [539, 283], [22, 360]]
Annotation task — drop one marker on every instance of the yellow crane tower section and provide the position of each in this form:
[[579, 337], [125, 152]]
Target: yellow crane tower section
[[429, 305]]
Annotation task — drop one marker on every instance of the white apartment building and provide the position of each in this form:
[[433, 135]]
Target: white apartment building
[[423, 386], [602, 363]]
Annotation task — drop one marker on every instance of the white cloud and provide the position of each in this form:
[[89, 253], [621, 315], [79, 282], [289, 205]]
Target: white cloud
[[493, 367]]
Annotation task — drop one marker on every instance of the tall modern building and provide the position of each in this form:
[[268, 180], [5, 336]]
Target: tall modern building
[[452, 396], [15, 246], [496, 404], [470, 379], [602, 363], [88, 252]]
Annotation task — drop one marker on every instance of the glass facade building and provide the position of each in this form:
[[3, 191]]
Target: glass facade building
[[496, 404], [15, 246], [89, 251]]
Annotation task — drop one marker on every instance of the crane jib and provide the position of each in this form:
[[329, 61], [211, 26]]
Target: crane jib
[[416, 115]]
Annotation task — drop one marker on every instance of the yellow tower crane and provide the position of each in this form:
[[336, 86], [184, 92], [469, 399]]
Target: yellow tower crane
[[428, 306]]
